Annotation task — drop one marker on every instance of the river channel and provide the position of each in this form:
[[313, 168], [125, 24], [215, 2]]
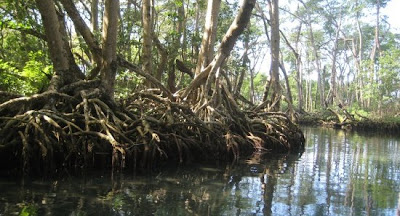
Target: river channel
[[340, 173]]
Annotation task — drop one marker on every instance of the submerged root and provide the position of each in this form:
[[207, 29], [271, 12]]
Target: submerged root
[[78, 129]]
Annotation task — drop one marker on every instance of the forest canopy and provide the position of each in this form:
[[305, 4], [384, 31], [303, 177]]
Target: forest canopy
[[331, 51]]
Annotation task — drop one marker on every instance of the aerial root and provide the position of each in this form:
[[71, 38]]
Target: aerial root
[[79, 130]]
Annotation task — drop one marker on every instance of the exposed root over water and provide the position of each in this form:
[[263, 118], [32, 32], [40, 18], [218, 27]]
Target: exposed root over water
[[79, 127]]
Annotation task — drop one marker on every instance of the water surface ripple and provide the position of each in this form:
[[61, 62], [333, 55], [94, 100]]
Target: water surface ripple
[[340, 173]]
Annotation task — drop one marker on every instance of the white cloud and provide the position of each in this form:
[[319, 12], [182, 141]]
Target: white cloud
[[392, 10]]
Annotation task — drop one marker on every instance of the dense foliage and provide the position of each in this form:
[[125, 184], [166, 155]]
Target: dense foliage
[[348, 45]]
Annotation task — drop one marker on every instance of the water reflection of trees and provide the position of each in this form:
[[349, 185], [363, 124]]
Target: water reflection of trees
[[398, 206], [340, 173], [356, 174], [238, 189]]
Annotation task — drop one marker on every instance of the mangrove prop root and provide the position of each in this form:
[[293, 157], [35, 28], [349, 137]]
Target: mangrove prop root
[[67, 129]]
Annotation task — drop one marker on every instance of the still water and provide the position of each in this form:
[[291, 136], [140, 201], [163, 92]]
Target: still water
[[340, 173]]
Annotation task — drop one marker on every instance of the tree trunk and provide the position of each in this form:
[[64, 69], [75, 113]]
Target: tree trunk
[[184, 19], [209, 35], [299, 77], [376, 46], [163, 58], [54, 37], [243, 68], [264, 19], [285, 76], [398, 206], [195, 46], [360, 80], [75, 72], [321, 86], [309, 97], [87, 35], [275, 40], [358, 61], [109, 51], [227, 44], [95, 15], [174, 52], [147, 63], [129, 29], [252, 90], [375, 49], [333, 89]]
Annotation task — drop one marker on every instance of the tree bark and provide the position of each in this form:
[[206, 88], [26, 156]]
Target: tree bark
[[174, 52], [376, 48], [275, 41], [226, 46], [309, 98], [121, 61], [356, 49], [75, 72], [195, 46], [55, 40], [299, 77], [321, 86], [87, 35], [285, 76], [163, 58], [358, 63], [282, 66], [398, 206], [147, 63], [109, 51], [243, 68], [333, 87], [95, 15], [209, 35]]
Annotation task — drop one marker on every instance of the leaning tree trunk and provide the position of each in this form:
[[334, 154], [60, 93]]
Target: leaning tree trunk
[[226, 46], [87, 35], [285, 76], [54, 38]]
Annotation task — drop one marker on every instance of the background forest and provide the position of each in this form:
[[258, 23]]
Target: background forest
[[332, 52]]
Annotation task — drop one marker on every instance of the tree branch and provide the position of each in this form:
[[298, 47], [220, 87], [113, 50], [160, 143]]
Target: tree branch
[[84, 30], [128, 65], [226, 46]]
